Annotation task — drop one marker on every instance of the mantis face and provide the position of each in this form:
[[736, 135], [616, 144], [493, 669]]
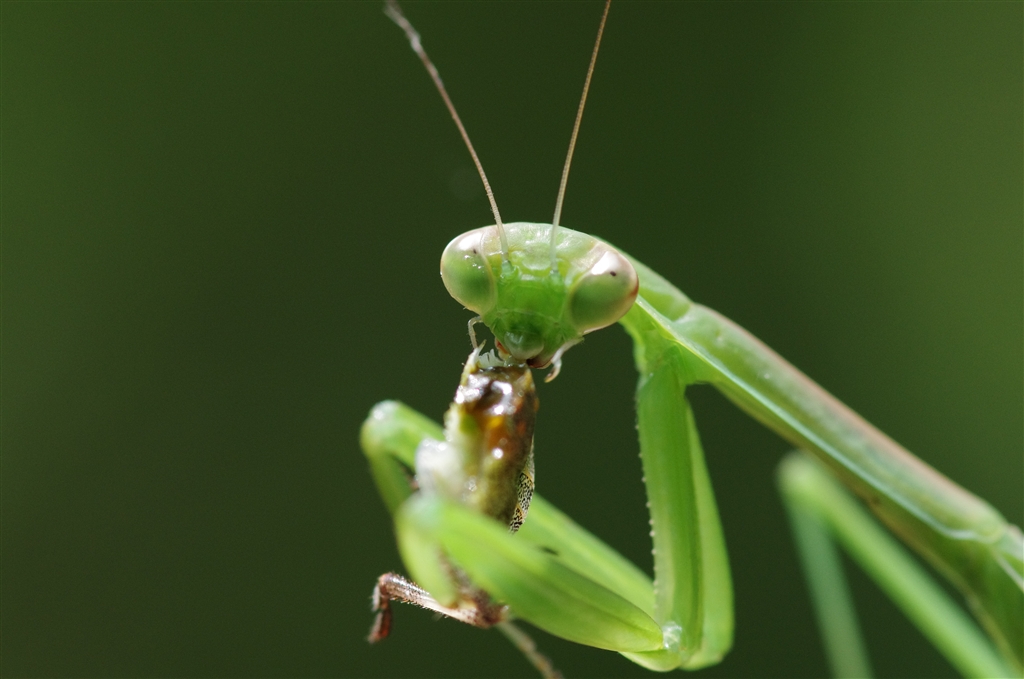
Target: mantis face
[[538, 300]]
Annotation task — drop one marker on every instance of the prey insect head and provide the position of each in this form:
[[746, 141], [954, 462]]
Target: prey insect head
[[535, 310]]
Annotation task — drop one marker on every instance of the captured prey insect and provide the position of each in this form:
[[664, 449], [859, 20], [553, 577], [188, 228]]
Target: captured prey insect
[[540, 288], [482, 461]]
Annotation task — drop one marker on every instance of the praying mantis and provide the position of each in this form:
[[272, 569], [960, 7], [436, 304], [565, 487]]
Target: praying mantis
[[684, 620]]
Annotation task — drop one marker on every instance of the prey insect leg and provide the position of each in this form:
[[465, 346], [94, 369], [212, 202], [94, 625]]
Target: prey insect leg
[[475, 609]]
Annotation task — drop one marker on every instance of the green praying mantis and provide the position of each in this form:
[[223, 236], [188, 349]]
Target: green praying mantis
[[539, 288]]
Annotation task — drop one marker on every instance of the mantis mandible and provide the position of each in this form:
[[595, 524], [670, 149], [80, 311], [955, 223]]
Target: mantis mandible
[[539, 288]]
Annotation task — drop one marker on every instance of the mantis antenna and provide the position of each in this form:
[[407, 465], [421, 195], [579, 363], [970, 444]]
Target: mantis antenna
[[575, 132], [394, 13]]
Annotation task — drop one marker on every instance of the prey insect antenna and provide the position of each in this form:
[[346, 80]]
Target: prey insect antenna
[[394, 13], [575, 132]]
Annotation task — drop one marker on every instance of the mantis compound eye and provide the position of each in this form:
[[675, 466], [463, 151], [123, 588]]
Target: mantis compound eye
[[604, 294], [466, 273]]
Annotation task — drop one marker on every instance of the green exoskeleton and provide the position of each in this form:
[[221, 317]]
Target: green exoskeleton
[[540, 288]]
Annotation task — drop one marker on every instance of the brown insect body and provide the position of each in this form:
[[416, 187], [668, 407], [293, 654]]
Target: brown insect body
[[493, 419], [485, 462]]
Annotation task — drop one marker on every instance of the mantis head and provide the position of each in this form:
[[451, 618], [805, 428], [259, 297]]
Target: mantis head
[[539, 289], [538, 301]]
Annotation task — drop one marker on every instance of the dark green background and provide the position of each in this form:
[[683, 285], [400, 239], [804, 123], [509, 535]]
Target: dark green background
[[221, 231]]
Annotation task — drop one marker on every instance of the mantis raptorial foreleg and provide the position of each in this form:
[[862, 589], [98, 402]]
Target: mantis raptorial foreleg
[[534, 569], [537, 585], [556, 575], [693, 591]]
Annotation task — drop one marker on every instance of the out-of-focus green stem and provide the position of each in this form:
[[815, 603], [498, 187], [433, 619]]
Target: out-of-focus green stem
[[808, 486]]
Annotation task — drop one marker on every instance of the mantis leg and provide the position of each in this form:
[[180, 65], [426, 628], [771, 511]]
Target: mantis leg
[[822, 510], [692, 588], [556, 575], [532, 572], [534, 584], [389, 438]]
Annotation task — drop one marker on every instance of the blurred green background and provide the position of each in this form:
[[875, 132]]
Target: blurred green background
[[221, 232]]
